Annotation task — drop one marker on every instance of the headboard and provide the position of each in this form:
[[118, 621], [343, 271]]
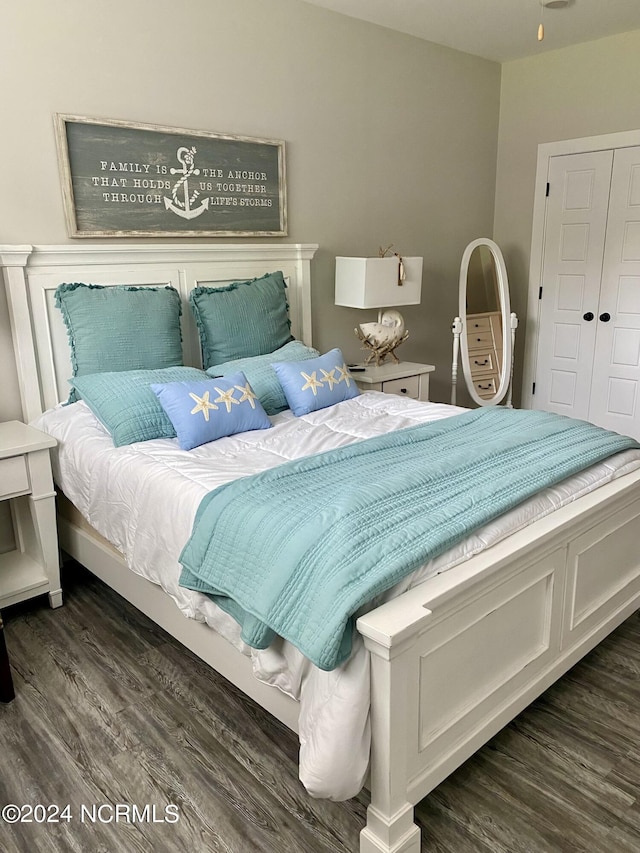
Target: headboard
[[32, 273]]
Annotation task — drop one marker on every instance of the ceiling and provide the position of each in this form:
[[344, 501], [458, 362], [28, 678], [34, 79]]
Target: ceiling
[[500, 30]]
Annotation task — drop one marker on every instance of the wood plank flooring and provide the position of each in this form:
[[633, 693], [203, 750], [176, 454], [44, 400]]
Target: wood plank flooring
[[110, 709]]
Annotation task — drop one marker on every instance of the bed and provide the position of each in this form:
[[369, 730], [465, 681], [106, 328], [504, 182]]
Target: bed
[[508, 620]]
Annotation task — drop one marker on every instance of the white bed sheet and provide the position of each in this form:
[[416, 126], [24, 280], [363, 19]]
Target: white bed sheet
[[143, 499]]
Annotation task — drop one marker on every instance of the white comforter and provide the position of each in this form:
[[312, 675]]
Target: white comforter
[[143, 499]]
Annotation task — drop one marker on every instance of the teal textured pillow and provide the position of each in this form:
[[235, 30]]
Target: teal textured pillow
[[207, 410], [125, 404], [244, 319], [316, 383], [120, 328], [261, 375]]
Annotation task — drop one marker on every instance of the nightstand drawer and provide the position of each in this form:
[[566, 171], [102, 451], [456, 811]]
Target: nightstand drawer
[[408, 387], [405, 379], [13, 476]]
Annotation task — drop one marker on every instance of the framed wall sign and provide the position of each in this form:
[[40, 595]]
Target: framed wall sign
[[141, 180]]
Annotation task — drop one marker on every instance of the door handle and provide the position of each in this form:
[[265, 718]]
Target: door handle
[[605, 317], [588, 316]]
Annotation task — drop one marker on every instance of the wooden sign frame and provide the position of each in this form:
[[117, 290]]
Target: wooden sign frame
[[122, 179]]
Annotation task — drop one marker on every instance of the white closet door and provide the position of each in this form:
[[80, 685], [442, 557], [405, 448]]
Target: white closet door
[[615, 393], [572, 266]]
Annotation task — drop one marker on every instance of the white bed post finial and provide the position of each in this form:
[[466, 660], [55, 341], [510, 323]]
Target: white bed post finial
[[13, 260]]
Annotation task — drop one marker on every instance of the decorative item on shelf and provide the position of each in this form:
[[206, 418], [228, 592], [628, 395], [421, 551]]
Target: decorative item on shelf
[[378, 283]]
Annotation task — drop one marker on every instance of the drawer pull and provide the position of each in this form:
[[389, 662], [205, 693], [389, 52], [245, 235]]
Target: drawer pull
[[485, 387], [481, 363]]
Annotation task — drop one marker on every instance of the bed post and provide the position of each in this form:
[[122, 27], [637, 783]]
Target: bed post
[[390, 827], [13, 260]]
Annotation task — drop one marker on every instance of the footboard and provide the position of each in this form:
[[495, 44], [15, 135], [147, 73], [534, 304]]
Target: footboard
[[458, 657]]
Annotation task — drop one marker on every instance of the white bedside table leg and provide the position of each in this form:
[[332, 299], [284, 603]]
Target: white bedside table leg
[[42, 507], [43, 518], [55, 599], [32, 567]]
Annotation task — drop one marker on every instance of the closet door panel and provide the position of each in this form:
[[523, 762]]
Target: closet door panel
[[615, 394], [575, 230]]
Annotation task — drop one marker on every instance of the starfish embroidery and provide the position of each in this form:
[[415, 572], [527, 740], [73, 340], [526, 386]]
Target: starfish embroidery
[[345, 376], [226, 397], [329, 378], [312, 382], [203, 404], [247, 394]]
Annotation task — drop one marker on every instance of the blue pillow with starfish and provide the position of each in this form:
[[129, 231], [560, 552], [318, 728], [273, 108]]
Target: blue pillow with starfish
[[316, 383], [206, 410]]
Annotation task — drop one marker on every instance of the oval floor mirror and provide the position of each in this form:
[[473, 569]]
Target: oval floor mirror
[[484, 331]]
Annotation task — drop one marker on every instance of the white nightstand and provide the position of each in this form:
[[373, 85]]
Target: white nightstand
[[26, 482], [407, 379]]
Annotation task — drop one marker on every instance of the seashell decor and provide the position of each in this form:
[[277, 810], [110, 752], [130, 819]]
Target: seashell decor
[[384, 337]]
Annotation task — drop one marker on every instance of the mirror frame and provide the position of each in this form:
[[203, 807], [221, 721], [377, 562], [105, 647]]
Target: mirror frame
[[505, 308]]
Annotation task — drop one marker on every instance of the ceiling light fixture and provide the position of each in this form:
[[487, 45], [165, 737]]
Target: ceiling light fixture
[[549, 4]]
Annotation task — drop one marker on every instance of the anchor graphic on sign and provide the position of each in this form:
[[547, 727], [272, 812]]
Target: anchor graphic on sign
[[183, 206]]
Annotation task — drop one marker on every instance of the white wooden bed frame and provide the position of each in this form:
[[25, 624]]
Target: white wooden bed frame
[[454, 659]]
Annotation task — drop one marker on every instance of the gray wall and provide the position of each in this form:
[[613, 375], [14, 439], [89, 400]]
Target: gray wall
[[389, 139], [587, 90]]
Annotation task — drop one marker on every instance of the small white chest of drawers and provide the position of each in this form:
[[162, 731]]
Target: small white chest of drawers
[[33, 567], [407, 379], [484, 342]]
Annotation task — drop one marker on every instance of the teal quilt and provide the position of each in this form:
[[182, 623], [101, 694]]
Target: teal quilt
[[299, 549]]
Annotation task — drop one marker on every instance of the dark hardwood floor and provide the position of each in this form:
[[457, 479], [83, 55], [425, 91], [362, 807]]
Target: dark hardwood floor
[[109, 709]]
